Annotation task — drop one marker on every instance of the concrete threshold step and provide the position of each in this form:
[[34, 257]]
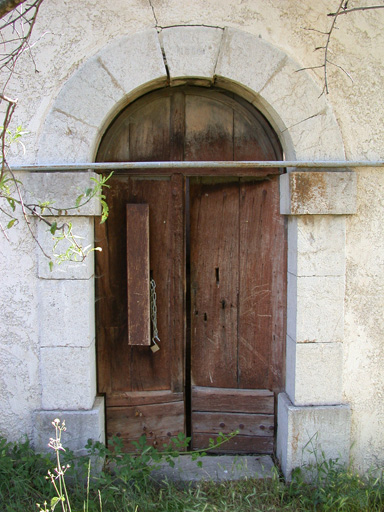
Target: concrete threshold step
[[218, 468]]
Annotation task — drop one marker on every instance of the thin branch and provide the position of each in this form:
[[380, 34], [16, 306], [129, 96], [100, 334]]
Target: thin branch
[[10, 59], [341, 9], [327, 47], [25, 215], [7, 213], [4, 232], [342, 69], [315, 30], [346, 11], [9, 5], [11, 105]]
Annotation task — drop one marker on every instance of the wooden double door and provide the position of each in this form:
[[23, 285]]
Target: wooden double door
[[217, 253]]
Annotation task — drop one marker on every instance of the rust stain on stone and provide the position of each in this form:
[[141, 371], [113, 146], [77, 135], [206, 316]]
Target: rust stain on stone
[[306, 190]]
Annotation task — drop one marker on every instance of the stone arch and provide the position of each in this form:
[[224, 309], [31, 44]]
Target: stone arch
[[137, 63]]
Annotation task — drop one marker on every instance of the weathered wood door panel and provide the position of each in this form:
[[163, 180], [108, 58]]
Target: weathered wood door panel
[[132, 376], [235, 328], [217, 248]]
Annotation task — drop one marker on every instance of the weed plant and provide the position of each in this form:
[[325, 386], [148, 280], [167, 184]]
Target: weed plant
[[125, 484]]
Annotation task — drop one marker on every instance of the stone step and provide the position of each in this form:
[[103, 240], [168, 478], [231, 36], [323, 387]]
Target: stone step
[[215, 468]]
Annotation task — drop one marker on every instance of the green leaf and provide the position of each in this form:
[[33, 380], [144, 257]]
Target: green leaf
[[11, 223], [11, 203], [105, 211], [78, 200], [55, 500], [51, 266], [53, 228]]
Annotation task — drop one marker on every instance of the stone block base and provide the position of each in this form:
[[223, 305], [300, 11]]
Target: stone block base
[[311, 433], [81, 425]]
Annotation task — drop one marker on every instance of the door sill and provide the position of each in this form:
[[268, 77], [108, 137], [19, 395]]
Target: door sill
[[218, 468]]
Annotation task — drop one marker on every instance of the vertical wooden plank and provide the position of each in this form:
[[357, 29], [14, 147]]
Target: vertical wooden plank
[[255, 314], [253, 138], [279, 293], [149, 136], [262, 280], [177, 126], [111, 292], [139, 328], [177, 285], [214, 283], [208, 129], [149, 371]]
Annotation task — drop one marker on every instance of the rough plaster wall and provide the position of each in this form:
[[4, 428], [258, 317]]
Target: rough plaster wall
[[19, 350], [77, 29], [74, 30], [364, 325]]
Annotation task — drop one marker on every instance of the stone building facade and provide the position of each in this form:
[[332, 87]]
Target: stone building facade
[[95, 60]]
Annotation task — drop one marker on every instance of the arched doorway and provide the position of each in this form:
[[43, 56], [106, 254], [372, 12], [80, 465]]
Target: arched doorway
[[218, 256]]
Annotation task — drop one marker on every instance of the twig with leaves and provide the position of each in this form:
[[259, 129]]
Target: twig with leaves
[[18, 21]]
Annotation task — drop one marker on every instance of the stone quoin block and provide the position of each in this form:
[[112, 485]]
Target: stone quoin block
[[318, 193], [315, 308], [67, 313], [314, 373], [68, 377], [62, 189], [306, 435], [82, 227], [316, 245], [80, 426]]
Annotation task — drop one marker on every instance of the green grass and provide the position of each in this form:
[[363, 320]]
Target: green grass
[[130, 488]]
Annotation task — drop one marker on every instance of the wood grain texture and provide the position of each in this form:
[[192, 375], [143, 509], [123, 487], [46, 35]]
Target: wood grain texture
[[238, 444], [138, 287], [155, 421], [233, 400], [214, 283], [126, 398], [237, 249], [226, 422]]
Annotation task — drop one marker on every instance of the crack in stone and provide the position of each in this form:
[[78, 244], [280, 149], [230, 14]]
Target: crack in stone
[[74, 117], [189, 25], [164, 57], [154, 14], [279, 67], [218, 54], [114, 81], [321, 113]]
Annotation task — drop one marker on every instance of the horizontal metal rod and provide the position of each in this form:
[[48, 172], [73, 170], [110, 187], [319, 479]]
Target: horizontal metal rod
[[182, 166]]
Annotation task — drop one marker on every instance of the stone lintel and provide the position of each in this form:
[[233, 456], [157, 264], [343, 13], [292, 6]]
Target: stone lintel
[[318, 193], [81, 425], [310, 434]]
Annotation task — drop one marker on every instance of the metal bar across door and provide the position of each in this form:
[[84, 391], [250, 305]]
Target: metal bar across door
[[248, 167]]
